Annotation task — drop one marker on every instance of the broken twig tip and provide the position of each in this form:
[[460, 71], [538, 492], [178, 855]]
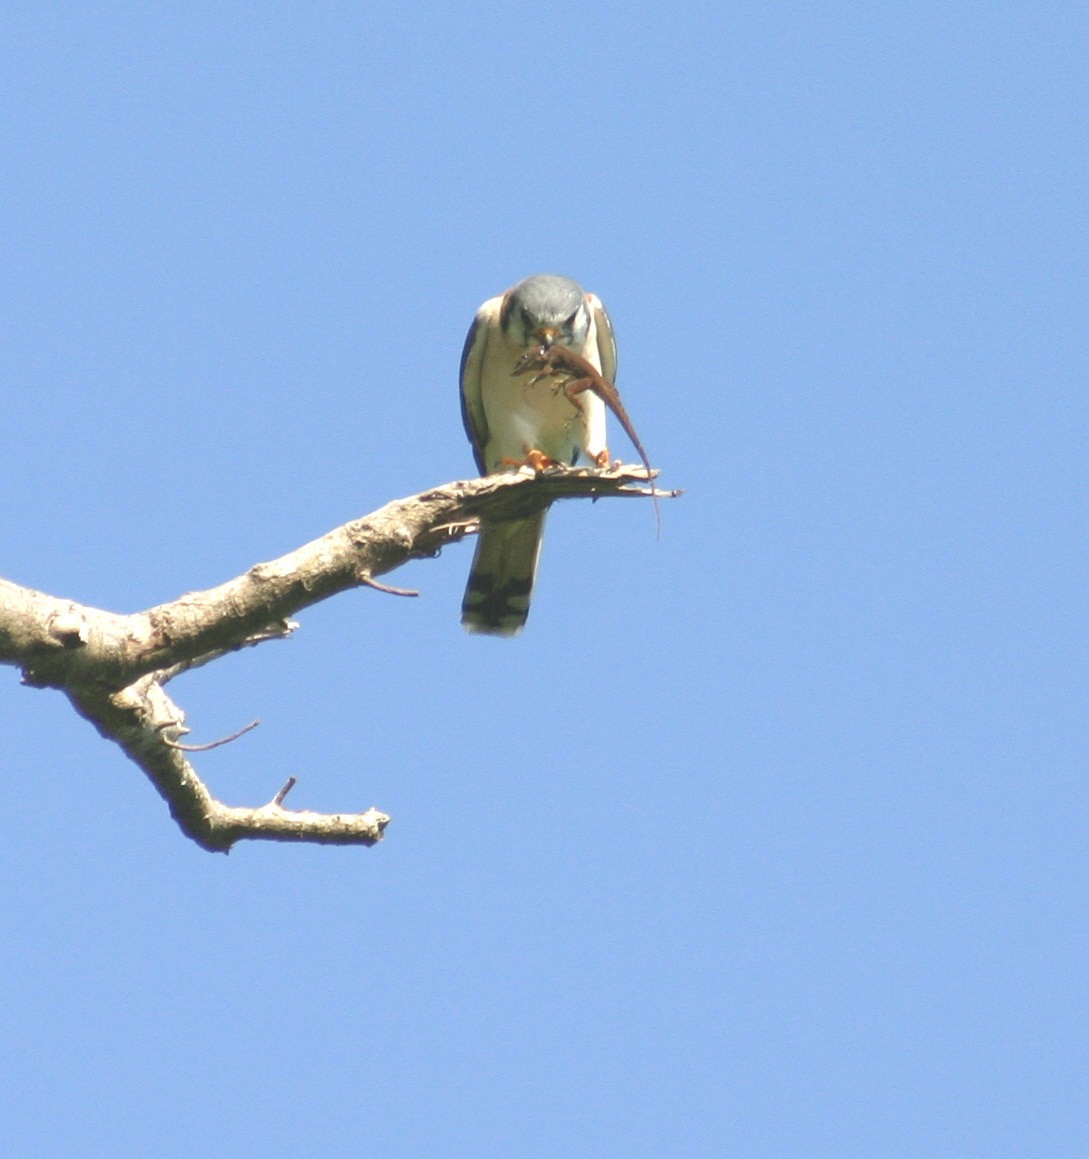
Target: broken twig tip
[[289, 784]]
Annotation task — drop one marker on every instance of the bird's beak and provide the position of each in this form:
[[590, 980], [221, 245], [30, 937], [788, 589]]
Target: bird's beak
[[548, 336]]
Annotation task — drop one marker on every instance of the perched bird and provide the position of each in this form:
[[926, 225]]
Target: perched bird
[[512, 420]]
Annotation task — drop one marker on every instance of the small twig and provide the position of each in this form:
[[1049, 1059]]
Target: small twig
[[203, 748], [370, 582], [278, 800]]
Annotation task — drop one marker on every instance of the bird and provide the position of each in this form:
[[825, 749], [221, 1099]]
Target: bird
[[513, 420]]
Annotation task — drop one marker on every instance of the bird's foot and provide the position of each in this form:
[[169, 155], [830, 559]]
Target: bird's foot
[[535, 460], [538, 460]]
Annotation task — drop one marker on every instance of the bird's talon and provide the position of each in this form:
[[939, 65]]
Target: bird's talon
[[538, 460]]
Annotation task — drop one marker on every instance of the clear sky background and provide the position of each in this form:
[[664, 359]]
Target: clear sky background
[[768, 838]]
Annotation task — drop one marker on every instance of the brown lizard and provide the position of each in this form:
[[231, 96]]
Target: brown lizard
[[580, 375]]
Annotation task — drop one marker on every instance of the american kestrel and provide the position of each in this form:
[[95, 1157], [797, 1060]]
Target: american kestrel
[[511, 420]]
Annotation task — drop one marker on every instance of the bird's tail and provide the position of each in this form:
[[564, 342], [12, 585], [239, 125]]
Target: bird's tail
[[501, 580]]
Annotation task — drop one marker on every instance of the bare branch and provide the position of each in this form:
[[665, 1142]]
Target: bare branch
[[113, 668], [59, 643], [136, 717]]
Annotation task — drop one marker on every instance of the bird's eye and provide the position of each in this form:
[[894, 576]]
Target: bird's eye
[[570, 323]]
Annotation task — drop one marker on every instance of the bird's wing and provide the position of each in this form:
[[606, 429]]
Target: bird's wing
[[472, 363], [606, 340]]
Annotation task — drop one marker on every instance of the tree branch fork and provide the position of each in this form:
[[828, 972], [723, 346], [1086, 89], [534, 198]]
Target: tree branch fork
[[114, 668]]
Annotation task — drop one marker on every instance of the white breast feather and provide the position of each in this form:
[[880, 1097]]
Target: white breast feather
[[522, 416]]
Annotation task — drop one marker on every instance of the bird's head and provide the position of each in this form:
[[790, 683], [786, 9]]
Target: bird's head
[[543, 310]]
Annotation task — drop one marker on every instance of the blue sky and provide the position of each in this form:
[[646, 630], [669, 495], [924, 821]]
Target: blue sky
[[767, 838]]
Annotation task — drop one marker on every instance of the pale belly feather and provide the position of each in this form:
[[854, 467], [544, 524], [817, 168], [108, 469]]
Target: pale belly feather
[[524, 416]]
